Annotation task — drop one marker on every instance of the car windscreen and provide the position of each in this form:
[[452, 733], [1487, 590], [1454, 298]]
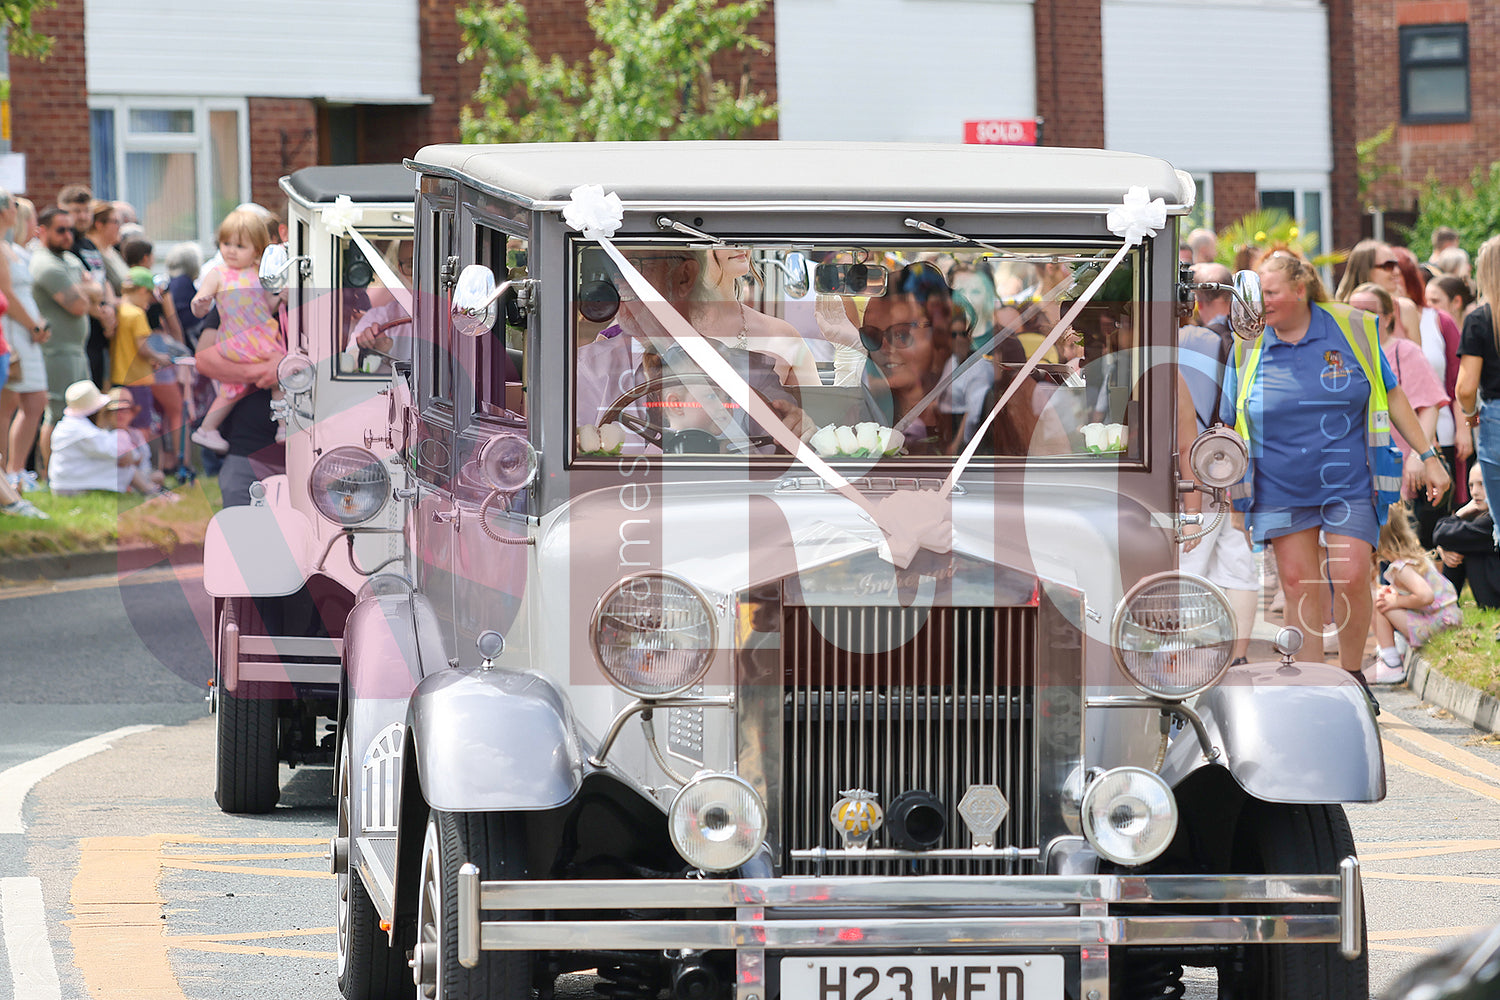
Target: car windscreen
[[866, 351]]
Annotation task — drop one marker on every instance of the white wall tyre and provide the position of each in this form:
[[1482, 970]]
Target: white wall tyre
[[369, 968], [493, 842]]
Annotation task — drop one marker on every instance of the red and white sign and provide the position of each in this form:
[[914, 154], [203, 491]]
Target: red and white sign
[[1002, 132]]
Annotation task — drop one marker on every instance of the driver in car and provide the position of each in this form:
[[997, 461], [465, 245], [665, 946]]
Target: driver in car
[[636, 349]]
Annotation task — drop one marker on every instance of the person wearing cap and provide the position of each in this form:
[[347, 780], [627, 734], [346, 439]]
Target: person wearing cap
[[122, 412], [85, 456], [133, 363]]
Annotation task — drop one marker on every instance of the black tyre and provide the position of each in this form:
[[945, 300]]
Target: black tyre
[[1276, 838], [493, 842], [246, 764], [369, 968]]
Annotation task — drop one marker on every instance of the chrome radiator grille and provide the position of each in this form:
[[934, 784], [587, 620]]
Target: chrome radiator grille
[[893, 699]]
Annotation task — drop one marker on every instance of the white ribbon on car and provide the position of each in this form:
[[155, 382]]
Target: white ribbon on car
[[1138, 217], [339, 219]]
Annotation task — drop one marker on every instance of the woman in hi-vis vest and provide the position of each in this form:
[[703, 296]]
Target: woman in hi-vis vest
[[1307, 411]]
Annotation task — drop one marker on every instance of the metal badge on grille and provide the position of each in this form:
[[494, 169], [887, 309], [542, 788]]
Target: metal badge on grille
[[856, 816], [983, 809]]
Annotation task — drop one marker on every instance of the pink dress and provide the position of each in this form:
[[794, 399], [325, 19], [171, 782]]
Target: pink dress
[[1442, 613], [248, 330]]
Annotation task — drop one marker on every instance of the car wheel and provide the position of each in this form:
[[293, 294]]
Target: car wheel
[[369, 968], [494, 843], [246, 778], [1278, 838]]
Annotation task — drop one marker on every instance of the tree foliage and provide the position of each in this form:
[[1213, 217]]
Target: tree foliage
[[1370, 170], [1268, 229], [650, 78], [1472, 209], [23, 39]]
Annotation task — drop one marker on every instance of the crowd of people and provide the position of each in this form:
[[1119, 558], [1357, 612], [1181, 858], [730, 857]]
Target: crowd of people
[[98, 385]]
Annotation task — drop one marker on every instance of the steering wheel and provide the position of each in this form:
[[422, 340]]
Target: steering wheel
[[651, 434]]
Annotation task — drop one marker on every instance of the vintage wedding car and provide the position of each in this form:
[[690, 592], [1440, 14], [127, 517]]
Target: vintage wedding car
[[737, 654], [284, 572]]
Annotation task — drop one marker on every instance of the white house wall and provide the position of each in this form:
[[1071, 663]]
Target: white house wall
[[902, 70], [354, 50], [1231, 85]]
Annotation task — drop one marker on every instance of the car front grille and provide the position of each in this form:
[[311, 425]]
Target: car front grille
[[895, 699]]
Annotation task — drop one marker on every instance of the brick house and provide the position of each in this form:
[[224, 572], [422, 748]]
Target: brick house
[[1262, 101]]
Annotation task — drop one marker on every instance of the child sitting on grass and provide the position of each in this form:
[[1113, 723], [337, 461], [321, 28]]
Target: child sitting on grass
[[1418, 600]]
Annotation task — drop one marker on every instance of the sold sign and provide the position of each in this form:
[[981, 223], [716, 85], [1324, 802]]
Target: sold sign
[[1002, 132]]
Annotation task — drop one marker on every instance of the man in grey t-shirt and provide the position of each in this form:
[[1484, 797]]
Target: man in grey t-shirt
[[64, 292]]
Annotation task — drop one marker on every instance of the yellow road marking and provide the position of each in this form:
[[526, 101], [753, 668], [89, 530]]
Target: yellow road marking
[[1409, 949], [158, 574], [268, 856], [198, 866], [257, 935], [117, 913], [1434, 850], [1422, 765], [1423, 932], [1406, 731], [1422, 877]]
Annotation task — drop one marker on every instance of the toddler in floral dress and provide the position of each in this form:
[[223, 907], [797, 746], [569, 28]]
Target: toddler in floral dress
[[248, 330], [1418, 600]]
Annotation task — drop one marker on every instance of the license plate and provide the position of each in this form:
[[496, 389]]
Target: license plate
[[926, 977]]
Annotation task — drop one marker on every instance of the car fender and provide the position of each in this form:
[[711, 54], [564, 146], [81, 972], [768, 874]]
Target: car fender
[[1287, 733], [389, 641], [261, 550], [494, 739]]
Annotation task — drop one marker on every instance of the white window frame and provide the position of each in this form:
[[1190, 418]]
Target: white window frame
[[1301, 184], [196, 142]]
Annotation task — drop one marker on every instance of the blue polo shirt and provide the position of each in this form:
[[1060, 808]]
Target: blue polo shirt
[[1306, 415]]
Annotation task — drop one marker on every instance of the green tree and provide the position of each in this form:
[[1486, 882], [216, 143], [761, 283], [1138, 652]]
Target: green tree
[[649, 79], [1472, 209], [23, 39]]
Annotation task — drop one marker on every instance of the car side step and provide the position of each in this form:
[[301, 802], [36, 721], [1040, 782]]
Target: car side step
[[377, 866]]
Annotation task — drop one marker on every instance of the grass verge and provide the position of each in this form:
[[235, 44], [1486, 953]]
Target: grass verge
[[93, 522], [1469, 653]]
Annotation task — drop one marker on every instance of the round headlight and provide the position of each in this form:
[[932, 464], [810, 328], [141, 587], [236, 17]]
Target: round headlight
[[1129, 815], [349, 486], [717, 822], [1173, 634], [654, 635], [1219, 458], [296, 374]]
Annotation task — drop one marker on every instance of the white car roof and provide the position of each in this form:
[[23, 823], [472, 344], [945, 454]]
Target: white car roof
[[833, 173]]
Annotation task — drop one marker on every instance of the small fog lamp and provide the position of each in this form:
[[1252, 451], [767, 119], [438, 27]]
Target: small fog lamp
[[717, 822], [296, 374], [1129, 815], [1219, 458]]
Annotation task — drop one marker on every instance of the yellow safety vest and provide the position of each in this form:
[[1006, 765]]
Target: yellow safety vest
[[1386, 481]]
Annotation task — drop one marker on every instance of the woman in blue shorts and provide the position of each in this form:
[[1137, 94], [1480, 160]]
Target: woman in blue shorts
[[1306, 414]]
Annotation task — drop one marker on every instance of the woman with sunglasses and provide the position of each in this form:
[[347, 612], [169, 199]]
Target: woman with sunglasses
[[907, 354], [1372, 260]]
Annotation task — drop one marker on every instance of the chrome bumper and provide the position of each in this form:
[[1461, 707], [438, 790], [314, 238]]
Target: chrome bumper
[[752, 932]]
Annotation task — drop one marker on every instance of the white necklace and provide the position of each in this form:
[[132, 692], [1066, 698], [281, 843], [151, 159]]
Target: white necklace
[[744, 328]]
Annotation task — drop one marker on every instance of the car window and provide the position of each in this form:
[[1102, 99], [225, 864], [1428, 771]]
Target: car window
[[371, 321]]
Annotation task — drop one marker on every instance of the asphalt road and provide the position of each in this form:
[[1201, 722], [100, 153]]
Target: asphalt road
[[149, 892]]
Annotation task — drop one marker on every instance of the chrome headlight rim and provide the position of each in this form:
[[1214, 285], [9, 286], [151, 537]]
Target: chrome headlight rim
[[1118, 622], [1091, 831], [1218, 436], [368, 458], [708, 610], [296, 374], [752, 798]]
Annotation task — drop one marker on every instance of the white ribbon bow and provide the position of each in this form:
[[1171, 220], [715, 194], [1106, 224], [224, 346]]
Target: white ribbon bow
[[592, 212], [1139, 216], [341, 215]]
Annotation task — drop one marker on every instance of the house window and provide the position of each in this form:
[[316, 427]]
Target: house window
[[183, 163], [1435, 73]]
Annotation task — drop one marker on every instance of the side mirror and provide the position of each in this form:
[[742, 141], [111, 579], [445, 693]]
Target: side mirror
[[1247, 311], [474, 296], [796, 276], [275, 263]]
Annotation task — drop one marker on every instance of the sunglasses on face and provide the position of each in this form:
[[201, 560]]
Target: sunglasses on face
[[900, 335], [1387, 265]]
